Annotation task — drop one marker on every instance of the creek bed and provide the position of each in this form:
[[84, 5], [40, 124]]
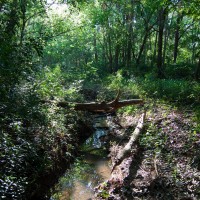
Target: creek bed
[[89, 170]]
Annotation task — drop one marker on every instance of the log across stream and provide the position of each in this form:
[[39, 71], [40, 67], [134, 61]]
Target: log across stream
[[97, 107]]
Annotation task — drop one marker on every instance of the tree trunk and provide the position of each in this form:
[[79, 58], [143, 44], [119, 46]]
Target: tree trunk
[[23, 9], [117, 51], [161, 22], [142, 48], [95, 47], [129, 46], [165, 44], [105, 49], [155, 49], [13, 19], [124, 56], [193, 47], [129, 23], [102, 107], [110, 53], [150, 50], [177, 36], [197, 73]]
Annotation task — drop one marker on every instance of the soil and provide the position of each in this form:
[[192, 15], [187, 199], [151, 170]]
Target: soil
[[163, 164], [45, 182]]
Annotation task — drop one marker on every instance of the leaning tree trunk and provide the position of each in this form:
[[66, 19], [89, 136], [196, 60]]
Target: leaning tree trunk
[[142, 47]]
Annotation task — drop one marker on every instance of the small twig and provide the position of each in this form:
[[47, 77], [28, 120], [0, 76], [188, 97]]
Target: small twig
[[155, 165]]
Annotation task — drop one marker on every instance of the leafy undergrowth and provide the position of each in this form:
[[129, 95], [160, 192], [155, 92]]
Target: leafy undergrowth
[[37, 144], [166, 164], [38, 141], [179, 91]]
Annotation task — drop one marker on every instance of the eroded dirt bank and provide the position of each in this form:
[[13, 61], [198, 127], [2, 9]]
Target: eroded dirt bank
[[67, 146], [163, 164]]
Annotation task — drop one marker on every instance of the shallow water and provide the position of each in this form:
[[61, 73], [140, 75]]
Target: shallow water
[[79, 182], [86, 173]]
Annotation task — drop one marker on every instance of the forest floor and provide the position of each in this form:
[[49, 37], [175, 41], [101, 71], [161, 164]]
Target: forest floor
[[163, 164]]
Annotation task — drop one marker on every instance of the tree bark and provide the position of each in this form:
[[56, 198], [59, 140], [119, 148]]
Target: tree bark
[[197, 73], [13, 19], [177, 36], [105, 49], [127, 149], [110, 53], [165, 42], [155, 49], [117, 52], [161, 21], [129, 24], [95, 47], [142, 47], [101, 107], [96, 107], [129, 46]]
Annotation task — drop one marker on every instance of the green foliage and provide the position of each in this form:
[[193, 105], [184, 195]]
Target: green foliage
[[179, 91], [103, 194], [34, 140], [83, 45], [173, 90], [153, 139], [116, 81], [57, 83], [51, 83], [180, 71], [17, 52]]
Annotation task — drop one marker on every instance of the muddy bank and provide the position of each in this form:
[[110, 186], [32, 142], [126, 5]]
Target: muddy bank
[[41, 187], [163, 164]]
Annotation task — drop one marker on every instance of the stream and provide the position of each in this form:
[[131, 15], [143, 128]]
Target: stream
[[89, 170]]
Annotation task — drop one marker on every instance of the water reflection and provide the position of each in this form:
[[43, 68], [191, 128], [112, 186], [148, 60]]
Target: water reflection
[[87, 172], [78, 183]]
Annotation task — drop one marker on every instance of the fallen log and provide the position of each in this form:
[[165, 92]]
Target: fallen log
[[127, 149], [126, 161], [101, 107]]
